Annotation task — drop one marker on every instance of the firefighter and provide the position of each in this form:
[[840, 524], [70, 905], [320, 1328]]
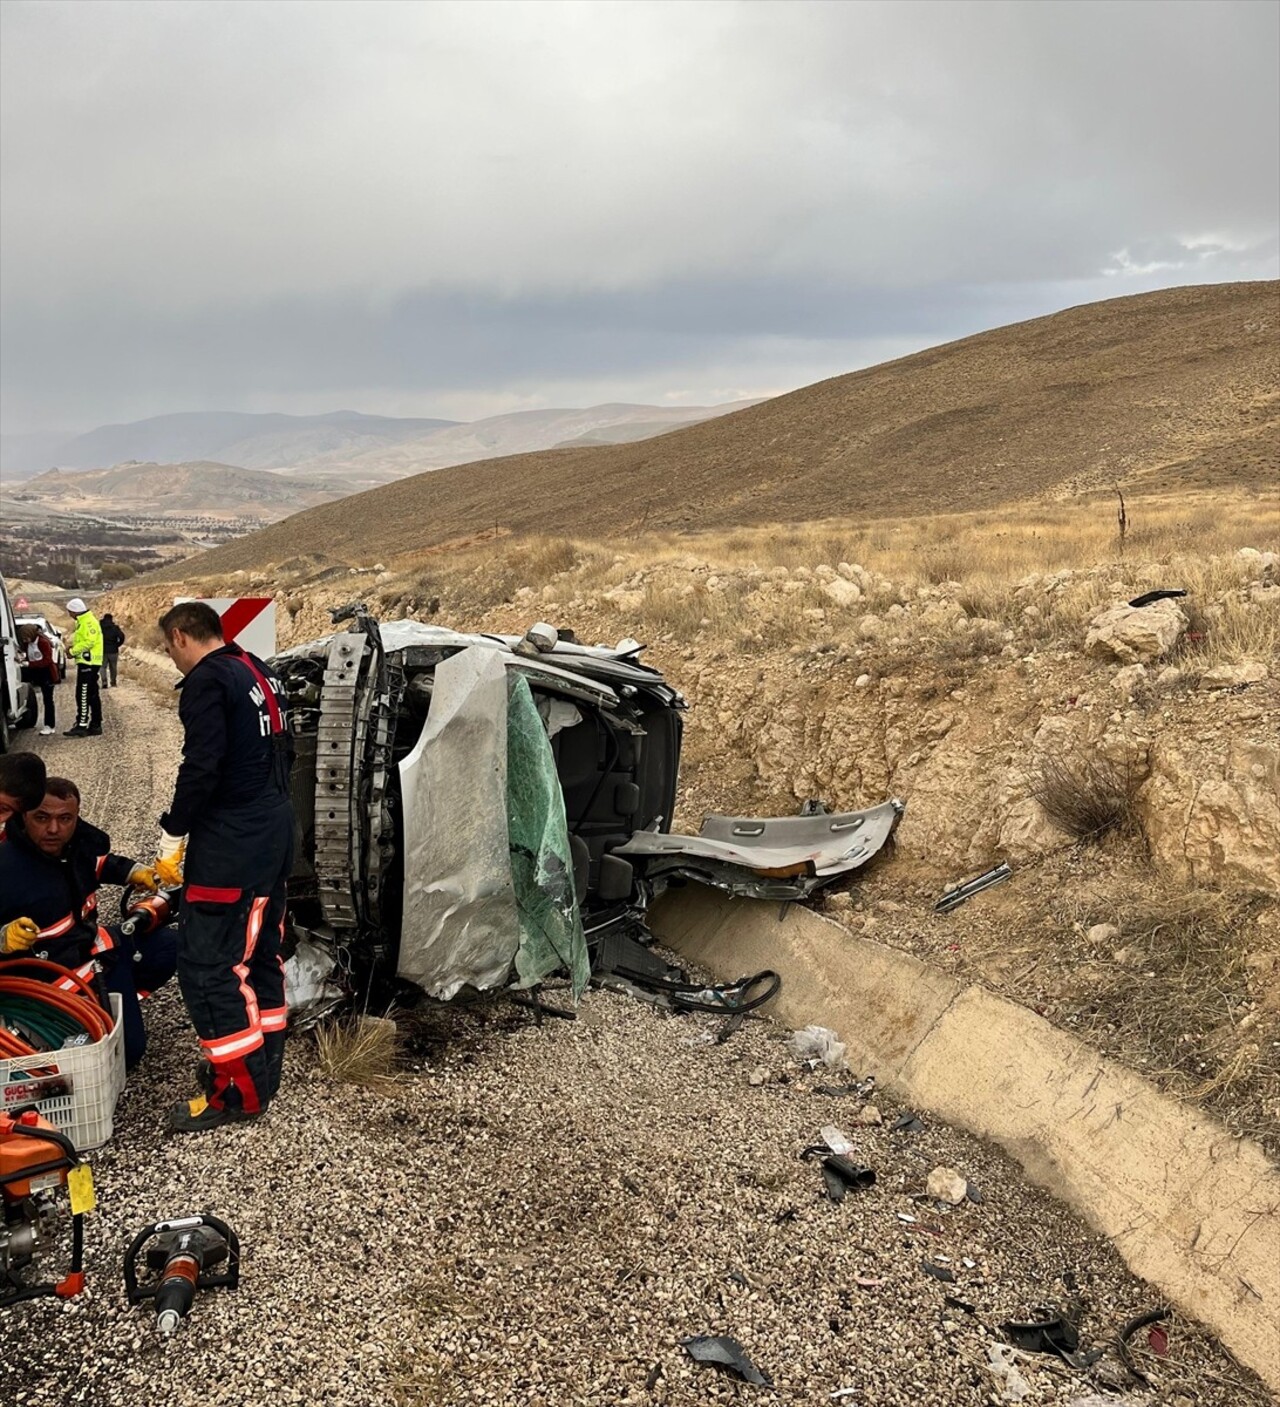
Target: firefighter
[[22, 777], [228, 834], [86, 649], [51, 866]]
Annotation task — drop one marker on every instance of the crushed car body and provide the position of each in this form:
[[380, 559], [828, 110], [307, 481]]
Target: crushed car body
[[480, 811]]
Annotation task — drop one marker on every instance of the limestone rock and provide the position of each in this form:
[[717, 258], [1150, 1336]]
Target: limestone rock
[[1212, 814], [946, 1185], [1233, 676], [1129, 680], [841, 592], [869, 1116], [1132, 634]]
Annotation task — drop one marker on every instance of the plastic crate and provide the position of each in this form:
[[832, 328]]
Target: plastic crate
[[91, 1077]]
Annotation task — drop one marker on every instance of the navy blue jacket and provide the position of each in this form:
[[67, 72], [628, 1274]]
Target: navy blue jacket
[[61, 895], [235, 749]]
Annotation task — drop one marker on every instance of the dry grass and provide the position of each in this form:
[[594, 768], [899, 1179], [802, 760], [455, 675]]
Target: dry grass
[[360, 1050], [1087, 795], [1181, 997]]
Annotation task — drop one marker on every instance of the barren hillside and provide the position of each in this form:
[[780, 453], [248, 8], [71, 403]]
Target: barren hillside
[[1166, 390], [171, 490]]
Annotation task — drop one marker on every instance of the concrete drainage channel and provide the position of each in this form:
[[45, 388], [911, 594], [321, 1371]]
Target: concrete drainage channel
[[1194, 1210]]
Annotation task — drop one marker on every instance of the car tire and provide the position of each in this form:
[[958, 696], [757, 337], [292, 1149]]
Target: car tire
[[4, 721], [31, 713]]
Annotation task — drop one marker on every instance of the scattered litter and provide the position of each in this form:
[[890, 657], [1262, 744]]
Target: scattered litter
[[957, 894], [834, 1139], [1169, 593], [907, 1217], [867, 1282], [1053, 1332], [974, 1194], [817, 1045], [969, 1264], [840, 1175], [720, 1351], [858, 1089], [953, 1303], [907, 1122], [946, 1185], [1013, 1386], [1158, 1340], [1143, 1321], [785, 1215], [939, 1272]]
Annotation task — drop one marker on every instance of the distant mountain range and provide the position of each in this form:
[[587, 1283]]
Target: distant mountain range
[[199, 489], [345, 449]]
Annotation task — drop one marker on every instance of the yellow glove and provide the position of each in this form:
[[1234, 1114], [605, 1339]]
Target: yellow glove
[[144, 877], [18, 936], [170, 854]]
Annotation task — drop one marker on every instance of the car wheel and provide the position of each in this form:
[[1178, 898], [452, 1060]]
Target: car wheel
[[32, 711]]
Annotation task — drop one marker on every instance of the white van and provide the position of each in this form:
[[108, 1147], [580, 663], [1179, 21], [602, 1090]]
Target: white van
[[17, 700]]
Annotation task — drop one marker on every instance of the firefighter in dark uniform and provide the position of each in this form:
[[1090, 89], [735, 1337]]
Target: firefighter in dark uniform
[[52, 863], [228, 835]]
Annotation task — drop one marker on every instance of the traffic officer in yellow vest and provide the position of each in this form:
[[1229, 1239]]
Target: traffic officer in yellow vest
[[86, 649]]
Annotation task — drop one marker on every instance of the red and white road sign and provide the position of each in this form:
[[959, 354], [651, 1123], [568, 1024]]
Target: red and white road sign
[[249, 621]]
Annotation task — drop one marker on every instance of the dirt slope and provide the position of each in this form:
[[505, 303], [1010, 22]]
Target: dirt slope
[[1149, 391]]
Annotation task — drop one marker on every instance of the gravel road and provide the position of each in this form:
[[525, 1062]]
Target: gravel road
[[538, 1216]]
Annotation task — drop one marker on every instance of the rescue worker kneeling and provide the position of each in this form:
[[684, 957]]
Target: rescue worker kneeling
[[229, 834], [51, 865]]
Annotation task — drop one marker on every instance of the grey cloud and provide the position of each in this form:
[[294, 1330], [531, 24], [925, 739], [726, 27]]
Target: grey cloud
[[229, 200]]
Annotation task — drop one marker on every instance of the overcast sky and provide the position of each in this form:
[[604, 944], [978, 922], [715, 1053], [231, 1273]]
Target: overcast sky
[[460, 209]]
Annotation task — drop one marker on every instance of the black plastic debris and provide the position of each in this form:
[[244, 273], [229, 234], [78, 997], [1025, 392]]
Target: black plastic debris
[[939, 1272], [1054, 1332], [974, 1194], [1169, 593], [785, 1215], [720, 1351], [963, 1305], [842, 1176], [907, 1122]]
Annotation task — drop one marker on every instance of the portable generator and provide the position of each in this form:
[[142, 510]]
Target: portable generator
[[39, 1169]]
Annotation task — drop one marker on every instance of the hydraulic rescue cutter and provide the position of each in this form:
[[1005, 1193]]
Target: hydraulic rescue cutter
[[38, 1164], [183, 1256]]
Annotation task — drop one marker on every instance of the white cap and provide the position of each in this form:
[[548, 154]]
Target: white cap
[[76, 606]]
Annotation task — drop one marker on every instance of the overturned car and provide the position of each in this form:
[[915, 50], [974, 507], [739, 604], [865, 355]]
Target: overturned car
[[481, 811]]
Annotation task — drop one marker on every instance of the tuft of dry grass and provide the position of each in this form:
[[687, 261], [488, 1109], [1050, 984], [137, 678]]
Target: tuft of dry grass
[[360, 1050], [1088, 795]]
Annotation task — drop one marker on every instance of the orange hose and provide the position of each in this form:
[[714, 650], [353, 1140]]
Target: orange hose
[[59, 972]]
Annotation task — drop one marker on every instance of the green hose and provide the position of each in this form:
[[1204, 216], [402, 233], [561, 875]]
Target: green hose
[[50, 1027]]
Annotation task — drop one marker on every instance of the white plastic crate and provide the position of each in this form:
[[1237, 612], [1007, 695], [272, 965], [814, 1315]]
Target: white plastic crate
[[93, 1074]]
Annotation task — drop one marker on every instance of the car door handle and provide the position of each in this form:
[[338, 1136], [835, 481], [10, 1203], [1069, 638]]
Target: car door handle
[[748, 830], [838, 826]]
